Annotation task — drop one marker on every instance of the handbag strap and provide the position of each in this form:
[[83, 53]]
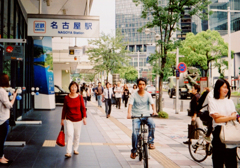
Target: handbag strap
[[62, 128], [80, 105]]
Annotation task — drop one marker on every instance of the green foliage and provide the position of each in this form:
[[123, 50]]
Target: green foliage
[[131, 73], [7, 68], [109, 53], [38, 50], [238, 108], [49, 61], [166, 17], [203, 48], [162, 114], [89, 77]]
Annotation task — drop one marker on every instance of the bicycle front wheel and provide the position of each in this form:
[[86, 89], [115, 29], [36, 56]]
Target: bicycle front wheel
[[145, 155], [238, 153], [198, 145]]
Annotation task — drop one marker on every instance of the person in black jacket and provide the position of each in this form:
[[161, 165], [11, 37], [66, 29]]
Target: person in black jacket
[[126, 94], [193, 107]]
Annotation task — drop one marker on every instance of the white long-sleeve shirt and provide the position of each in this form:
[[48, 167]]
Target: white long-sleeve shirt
[[5, 106], [105, 93]]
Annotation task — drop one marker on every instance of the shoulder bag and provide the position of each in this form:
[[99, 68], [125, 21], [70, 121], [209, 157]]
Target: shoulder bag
[[61, 137], [81, 107], [230, 133]]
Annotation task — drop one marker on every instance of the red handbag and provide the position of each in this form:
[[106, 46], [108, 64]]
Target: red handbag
[[61, 138]]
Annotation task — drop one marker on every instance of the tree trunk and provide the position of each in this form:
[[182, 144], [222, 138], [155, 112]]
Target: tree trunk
[[107, 77], [160, 93]]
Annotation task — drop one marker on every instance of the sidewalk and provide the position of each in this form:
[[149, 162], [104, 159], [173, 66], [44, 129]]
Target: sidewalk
[[169, 135], [105, 142]]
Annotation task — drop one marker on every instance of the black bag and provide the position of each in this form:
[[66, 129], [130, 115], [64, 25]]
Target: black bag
[[191, 127], [88, 98]]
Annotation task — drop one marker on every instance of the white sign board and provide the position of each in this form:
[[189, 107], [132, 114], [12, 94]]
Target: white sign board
[[63, 28]]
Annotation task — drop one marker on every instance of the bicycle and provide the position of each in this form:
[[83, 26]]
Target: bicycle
[[199, 148], [142, 144]]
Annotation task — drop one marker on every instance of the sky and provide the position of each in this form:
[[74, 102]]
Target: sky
[[105, 9]]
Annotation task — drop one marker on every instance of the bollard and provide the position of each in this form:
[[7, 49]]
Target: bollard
[[181, 108], [174, 104]]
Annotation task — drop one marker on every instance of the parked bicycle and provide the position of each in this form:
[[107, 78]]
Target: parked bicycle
[[142, 145], [199, 148]]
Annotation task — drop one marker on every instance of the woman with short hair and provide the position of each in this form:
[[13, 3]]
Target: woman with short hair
[[5, 106], [74, 112]]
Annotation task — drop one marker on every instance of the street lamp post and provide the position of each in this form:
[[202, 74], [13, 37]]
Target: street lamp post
[[157, 37], [229, 40]]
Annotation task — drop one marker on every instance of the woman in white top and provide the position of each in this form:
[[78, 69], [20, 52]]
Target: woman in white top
[[134, 89], [5, 106], [222, 110]]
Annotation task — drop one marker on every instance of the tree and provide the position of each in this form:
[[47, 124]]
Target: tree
[[90, 77], [131, 74], [203, 48], [166, 18], [109, 53]]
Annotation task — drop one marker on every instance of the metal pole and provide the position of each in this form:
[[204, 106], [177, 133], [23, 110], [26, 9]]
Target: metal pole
[[138, 65], [40, 6], [177, 84], [229, 47]]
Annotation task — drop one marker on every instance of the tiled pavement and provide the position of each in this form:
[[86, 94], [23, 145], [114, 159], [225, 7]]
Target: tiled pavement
[[103, 143]]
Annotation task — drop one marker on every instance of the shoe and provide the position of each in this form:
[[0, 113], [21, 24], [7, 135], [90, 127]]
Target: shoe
[[76, 152], [133, 155], [151, 146], [208, 139], [187, 142], [5, 159], [68, 155], [108, 115], [195, 146]]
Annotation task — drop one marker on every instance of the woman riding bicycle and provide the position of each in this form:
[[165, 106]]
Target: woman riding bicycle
[[139, 103]]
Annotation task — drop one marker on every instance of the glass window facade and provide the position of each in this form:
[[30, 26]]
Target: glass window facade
[[218, 20], [13, 26]]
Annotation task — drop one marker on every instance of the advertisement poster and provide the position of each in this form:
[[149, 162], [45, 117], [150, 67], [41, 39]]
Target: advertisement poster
[[43, 66]]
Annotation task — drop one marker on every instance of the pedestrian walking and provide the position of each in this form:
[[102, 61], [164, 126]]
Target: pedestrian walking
[[193, 108], [114, 100], [83, 91], [5, 106], [99, 91], [74, 113], [118, 95], [126, 94], [107, 95], [134, 89], [89, 93], [124, 86], [222, 110]]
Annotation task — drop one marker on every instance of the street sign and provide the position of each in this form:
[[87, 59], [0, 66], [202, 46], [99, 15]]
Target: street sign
[[177, 73], [13, 52], [182, 67]]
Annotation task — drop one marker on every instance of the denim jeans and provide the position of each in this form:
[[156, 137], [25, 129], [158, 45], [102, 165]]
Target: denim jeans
[[3, 136], [136, 128], [99, 98], [108, 105]]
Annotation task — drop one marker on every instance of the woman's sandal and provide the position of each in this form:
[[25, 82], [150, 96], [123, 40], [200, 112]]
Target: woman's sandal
[[3, 161], [68, 155]]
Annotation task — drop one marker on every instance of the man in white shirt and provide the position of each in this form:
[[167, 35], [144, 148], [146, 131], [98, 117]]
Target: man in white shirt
[[107, 94], [118, 94]]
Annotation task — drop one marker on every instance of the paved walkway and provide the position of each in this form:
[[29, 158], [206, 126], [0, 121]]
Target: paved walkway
[[105, 142]]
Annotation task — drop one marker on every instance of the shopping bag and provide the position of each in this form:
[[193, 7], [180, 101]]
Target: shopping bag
[[230, 133], [192, 127], [61, 137]]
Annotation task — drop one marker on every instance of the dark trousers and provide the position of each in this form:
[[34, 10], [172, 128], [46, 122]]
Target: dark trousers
[[85, 101], [108, 105], [118, 102], [209, 127], [125, 100], [3, 136], [222, 155]]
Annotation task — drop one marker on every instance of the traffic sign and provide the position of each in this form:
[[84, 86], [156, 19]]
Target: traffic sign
[[182, 67], [177, 73]]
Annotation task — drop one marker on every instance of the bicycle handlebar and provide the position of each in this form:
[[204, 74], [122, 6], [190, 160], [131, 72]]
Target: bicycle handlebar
[[142, 116]]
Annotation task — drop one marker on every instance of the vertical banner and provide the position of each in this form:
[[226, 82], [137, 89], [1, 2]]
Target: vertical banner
[[43, 74], [203, 83], [43, 65]]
